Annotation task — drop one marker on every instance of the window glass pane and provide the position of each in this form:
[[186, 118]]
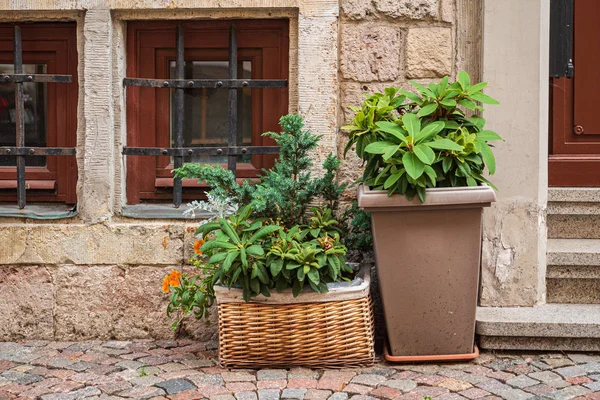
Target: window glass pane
[[35, 114], [206, 113]]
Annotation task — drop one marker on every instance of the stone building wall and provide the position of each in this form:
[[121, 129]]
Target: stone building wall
[[98, 275], [386, 43]]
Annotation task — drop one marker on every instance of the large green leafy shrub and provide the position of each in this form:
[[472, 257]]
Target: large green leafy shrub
[[410, 141], [269, 241]]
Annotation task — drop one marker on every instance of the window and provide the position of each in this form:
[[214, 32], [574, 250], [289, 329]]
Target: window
[[259, 49], [49, 101]]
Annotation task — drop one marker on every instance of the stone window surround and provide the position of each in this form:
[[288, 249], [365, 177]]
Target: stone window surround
[[101, 40]]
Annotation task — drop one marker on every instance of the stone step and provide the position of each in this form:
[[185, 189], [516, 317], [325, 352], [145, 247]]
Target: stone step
[[573, 271], [565, 226], [568, 327], [573, 284], [573, 195], [573, 213], [580, 252]]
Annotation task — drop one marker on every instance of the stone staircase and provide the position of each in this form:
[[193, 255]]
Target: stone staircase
[[570, 319], [573, 256]]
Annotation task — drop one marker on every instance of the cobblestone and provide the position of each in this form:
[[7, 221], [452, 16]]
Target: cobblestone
[[185, 370], [175, 385]]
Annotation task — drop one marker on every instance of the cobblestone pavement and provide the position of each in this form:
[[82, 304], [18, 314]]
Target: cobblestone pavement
[[187, 370]]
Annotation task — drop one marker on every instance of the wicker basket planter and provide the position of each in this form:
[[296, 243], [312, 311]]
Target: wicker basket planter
[[333, 329]]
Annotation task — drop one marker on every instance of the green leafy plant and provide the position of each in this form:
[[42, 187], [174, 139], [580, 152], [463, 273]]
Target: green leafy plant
[[271, 241], [410, 141], [284, 191], [357, 228]]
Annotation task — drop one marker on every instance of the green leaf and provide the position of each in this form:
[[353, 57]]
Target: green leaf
[[421, 193], [430, 172], [424, 153], [229, 231], [264, 290], [448, 102], [263, 276], [244, 257], [446, 164], [217, 244], [428, 109], [379, 147], [206, 228], [482, 179], [414, 167], [229, 260], [292, 265], [443, 84], [451, 124], [217, 258], [255, 250], [468, 104], [422, 89], [390, 152], [313, 275], [411, 96], [478, 121], [275, 266], [444, 144], [488, 157], [255, 285], [297, 288], [411, 123], [484, 98], [262, 232], [476, 88], [488, 135], [464, 80], [392, 179], [393, 129], [300, 274], [429, 131], [471, 181]]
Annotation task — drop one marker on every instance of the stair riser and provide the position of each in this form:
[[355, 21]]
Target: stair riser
[[564, 226], [573, 291], [538, 343]]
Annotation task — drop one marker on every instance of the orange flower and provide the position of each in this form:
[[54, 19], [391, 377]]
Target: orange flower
[[174, 278], [165, 284], [197, 246]]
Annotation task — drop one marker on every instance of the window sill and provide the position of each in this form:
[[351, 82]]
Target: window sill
[[160, 211], [38, 211]]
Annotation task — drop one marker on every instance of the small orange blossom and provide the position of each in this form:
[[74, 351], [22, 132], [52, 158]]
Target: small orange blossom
[[171, 280], [174, 278], [197, 246], [165, 284]]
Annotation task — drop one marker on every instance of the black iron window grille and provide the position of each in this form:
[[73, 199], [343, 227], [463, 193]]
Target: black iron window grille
[[20, 151], [180, 84]]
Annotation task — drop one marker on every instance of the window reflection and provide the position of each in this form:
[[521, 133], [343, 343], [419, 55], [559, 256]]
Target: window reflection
[[35, 114], [206, 111]]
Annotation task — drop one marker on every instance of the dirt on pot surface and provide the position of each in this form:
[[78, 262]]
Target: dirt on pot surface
[[185, 369]]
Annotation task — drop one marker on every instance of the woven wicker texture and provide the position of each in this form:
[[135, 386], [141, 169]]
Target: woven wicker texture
[[326, 335]]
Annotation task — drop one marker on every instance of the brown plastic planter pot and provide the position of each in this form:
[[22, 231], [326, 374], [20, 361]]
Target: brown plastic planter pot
[[428, 257]]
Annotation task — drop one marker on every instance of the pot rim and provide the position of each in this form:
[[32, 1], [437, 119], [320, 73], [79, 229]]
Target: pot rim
[[442, 197]]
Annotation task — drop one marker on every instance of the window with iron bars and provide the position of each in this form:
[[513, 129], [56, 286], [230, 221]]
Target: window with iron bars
[[201, 91], [38, 118]]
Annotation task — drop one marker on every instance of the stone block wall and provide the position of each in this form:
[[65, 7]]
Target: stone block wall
[[98, 275], [386, 43]]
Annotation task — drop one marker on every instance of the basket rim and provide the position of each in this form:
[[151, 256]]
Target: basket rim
[[234, 295]]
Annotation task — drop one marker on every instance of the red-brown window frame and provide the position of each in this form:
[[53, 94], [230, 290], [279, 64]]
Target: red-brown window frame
[[151, 46], [54, 44]]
